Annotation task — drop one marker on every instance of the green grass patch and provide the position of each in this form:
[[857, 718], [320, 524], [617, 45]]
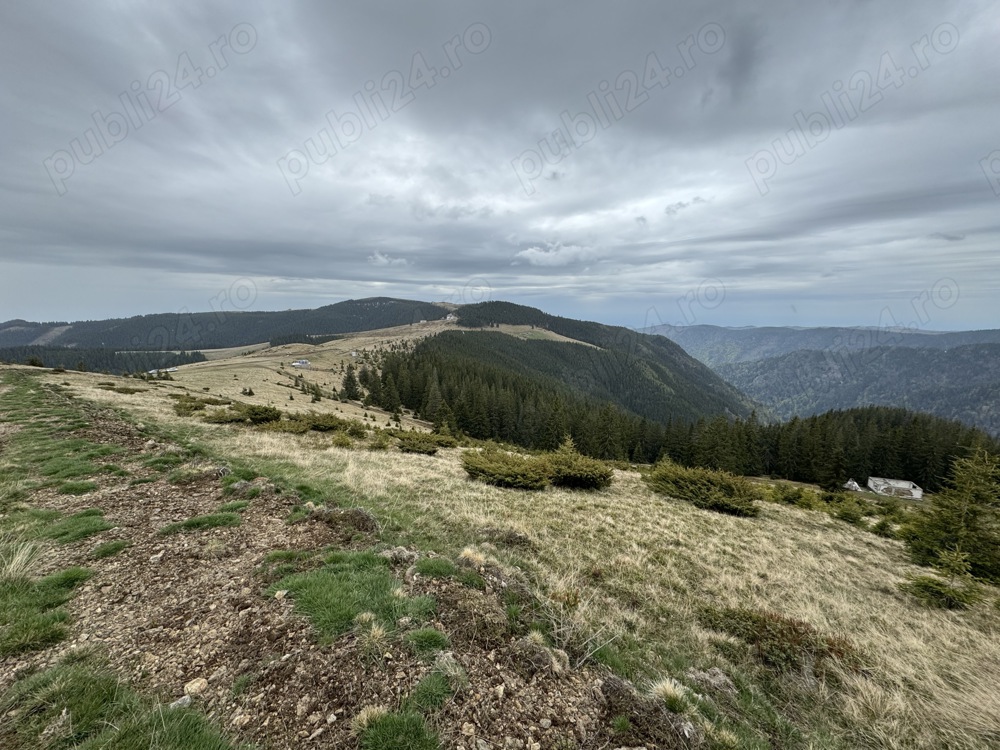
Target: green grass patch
[[76, 527], [399, 731], [348, 584], [234, 507], [436, 567], [77, 488], [109, 549], [426, 642], [201, 523], [31, 616], [430, 693], [164, 462], [76, 705]]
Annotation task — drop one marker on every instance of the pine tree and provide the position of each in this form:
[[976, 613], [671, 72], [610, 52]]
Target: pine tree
[[964, 519], [351, 390]]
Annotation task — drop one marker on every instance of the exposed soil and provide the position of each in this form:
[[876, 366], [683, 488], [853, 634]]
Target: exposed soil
[[169, 610]]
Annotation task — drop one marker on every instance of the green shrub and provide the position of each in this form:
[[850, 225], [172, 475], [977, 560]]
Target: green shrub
[[255, 414], [709, 489], [779, 642], [291, 426], [326, 422], [884, 528], [941, 594], [850, 511], [417, 442], [502, 469], [569, 469]]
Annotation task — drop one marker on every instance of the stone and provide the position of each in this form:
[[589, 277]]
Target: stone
[[279, 595], [240, 720], [197, 686], [545, 723], [181, 702], [157, 557], [468, 729]]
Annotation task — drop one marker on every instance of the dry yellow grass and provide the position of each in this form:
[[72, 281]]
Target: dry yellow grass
[[933, 673], [644, 565]]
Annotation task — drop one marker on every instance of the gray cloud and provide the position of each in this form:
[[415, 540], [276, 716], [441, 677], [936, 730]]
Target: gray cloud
[[149, 157]]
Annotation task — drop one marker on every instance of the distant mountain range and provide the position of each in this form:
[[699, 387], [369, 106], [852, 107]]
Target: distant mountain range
[[715, 345], [219, 330], [961, 383], [807, 371]]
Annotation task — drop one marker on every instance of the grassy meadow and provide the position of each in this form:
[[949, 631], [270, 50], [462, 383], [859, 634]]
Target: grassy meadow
[[631, 579]]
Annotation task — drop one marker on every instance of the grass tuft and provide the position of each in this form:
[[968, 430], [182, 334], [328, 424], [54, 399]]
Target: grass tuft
[[426, 642], [109, 549], [399, 731], [201, 523]]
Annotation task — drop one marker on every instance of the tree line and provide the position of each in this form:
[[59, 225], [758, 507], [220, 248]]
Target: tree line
[[442, 383]]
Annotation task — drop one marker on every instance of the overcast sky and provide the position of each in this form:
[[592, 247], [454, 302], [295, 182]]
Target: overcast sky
[[768, 163]]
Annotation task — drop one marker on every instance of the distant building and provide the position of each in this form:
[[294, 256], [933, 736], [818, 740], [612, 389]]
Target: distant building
[[895, 488], [301, 363], [852, 486], [451, 316]]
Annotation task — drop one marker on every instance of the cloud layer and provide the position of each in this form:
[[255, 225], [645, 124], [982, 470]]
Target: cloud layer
[[773, 163]]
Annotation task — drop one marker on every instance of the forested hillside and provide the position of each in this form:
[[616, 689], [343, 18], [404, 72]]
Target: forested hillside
[[692, 389], [223, 328], [961, 383], [96, 360], [715, 345], [481, 384]]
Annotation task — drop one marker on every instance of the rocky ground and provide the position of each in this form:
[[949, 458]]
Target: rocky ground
[[185, 617]]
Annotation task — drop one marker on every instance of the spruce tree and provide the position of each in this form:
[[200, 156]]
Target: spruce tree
[[963, 519]]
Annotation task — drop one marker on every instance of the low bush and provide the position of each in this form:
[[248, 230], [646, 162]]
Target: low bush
[[254, 414], [502, 469], [941, 594], [709, 489], [570, 469], [781, 643], [417, 442]]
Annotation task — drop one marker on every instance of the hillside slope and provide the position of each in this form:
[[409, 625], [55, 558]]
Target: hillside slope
[[651, 375], [624, 578], [962, 383]]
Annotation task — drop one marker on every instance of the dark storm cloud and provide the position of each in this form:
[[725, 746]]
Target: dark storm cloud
[[592, 158]]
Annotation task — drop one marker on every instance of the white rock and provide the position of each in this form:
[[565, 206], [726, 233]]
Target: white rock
[[181, 702], [197, 686]]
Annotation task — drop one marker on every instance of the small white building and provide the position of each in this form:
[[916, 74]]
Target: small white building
[[852, 486], [895, 488], [301, 363]]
